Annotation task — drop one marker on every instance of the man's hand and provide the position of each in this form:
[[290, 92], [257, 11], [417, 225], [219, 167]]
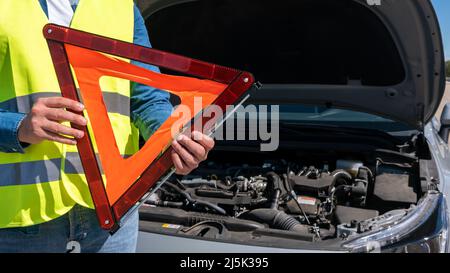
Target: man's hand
[[44, 121], [189, 152]]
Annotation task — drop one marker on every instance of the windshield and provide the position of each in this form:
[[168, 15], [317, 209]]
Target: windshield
[[306, 114]]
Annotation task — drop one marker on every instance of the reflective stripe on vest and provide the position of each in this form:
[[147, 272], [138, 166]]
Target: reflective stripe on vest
[[73, 163], [115, 102], [47, 180], [24, 173]]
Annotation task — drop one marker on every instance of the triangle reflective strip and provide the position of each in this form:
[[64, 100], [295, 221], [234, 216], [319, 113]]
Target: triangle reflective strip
[[131, 178]]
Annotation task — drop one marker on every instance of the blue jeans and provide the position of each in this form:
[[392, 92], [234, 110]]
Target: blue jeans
[[77, 230]]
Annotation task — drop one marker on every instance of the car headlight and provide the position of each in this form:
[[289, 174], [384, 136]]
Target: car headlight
[[423, 229], [435, 244]]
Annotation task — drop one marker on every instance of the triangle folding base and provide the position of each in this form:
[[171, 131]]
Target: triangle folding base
[[92, 57]]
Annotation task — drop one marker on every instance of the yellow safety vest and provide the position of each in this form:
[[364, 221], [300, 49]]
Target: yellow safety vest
[[47, 180]]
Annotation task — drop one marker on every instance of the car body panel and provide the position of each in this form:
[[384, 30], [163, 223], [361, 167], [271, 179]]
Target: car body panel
[[441, 154], [159, 243]]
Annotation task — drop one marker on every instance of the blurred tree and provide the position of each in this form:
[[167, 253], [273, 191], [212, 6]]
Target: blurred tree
[[447, 68]]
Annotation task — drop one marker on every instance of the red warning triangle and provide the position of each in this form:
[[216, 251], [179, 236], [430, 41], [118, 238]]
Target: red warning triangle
[[128, 180]]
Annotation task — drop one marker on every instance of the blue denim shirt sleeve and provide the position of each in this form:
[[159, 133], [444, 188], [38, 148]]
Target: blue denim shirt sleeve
[[150, 107], [9, 127]]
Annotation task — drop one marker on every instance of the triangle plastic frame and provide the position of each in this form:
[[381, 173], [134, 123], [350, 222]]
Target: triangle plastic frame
[[66, 46]]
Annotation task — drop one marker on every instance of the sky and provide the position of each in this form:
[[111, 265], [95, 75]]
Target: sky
[[442, 8]]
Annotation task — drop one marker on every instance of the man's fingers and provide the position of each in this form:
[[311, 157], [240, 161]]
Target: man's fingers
[[193, 147], [63, 115], [185, 156], [60, 129], [60, 102], [204, 140], [59, 138], [178, 163]]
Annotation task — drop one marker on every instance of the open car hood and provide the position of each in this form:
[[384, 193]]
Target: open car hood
[[383, 57]]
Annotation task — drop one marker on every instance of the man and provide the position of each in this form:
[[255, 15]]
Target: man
[[45, 205]]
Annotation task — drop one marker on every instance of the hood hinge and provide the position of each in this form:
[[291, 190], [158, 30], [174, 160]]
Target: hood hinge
[[420, 112], [421, 146]]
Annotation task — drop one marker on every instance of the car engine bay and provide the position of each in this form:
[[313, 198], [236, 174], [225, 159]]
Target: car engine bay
[[288, 195]]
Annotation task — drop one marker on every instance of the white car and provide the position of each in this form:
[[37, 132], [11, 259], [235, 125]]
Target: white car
[[361, 165]]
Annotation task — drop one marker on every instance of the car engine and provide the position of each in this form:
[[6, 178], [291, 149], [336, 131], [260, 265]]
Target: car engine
[[317, 201]]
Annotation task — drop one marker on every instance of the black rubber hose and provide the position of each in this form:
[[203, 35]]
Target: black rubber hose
[[189, 218], [341, 175], [275, 219], [168, 204], [276, 196], [211, 206], [195, 201], [277, 185], [186, 195]]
